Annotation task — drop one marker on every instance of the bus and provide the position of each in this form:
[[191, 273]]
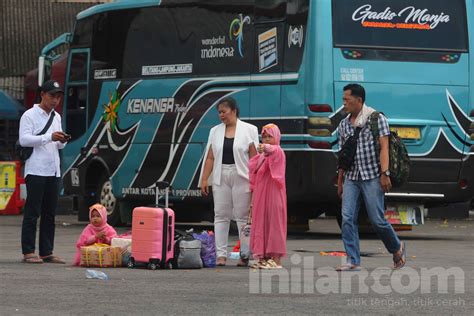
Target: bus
[[143, 79]]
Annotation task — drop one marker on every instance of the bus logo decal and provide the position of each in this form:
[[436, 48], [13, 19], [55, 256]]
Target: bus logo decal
[[295, 36], [419, 18], [111, 110], [236, 30], [154, 105]]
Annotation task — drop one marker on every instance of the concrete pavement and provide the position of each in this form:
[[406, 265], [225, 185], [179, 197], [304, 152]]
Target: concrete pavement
[[307, 285]]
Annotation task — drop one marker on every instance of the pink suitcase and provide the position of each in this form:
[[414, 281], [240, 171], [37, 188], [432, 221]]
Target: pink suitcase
[[153, 235]]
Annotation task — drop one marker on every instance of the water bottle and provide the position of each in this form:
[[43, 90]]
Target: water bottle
[[94, 274]]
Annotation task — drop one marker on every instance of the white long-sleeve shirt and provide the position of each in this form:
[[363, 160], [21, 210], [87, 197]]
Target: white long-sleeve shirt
[[44, 161]]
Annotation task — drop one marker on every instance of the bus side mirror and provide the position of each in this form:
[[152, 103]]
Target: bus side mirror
[[44, 70]]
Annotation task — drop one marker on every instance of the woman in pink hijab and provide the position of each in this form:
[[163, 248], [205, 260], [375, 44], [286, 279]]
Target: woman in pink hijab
[[267, 183], [98, 231]]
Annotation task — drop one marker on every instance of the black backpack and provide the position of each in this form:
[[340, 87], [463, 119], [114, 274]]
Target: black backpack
[[187, 251], [399, 162]]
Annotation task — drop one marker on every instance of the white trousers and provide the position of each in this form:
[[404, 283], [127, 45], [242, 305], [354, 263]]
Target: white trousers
[[231, 201]]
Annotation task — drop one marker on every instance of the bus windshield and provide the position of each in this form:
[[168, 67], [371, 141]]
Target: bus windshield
[[429, 25]]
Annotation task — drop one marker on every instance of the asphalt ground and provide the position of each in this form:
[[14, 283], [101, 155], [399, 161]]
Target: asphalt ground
[[308, 284]]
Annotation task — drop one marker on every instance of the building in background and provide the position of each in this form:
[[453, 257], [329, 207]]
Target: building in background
[[26, 27]]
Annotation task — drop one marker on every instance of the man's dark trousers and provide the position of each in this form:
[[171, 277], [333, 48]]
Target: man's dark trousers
[[41, 200]]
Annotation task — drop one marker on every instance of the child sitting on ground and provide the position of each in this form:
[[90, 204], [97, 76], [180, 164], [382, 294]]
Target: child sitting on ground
[[268, 208], [98, 231]]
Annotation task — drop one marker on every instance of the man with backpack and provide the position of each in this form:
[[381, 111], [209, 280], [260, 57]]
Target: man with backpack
[[364, 177]]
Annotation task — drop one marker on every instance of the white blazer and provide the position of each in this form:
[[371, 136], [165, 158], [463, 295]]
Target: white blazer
[[245, 134]]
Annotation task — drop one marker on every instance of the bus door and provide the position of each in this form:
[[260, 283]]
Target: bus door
[[76, 93]]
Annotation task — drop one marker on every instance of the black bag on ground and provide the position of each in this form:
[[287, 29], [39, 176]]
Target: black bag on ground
[[23, 153], [187, 251], [348, 151]]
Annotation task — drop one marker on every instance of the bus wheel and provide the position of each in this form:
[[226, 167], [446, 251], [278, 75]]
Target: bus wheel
[[106, 197]]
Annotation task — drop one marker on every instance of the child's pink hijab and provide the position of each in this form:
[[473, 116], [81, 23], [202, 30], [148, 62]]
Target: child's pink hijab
[[274, 131], [275, 158], [103, 214]]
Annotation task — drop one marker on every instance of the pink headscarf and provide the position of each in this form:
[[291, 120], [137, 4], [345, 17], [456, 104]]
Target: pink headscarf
[[273, 157], [273, 131], [103, 214]]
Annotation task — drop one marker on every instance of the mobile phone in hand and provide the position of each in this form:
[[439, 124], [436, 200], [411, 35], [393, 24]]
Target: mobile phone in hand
[[67, 136]]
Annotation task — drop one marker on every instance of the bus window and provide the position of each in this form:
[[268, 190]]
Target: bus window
[[110, 31], [159, 37], [78, 71], [82, 33], [270, 10], [76, 92], [76, 113], [427, 25]]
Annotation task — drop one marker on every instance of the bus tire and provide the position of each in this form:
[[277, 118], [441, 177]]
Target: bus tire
[[106, 197]]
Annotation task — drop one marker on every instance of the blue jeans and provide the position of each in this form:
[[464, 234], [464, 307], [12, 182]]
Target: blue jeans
[[373, 195]]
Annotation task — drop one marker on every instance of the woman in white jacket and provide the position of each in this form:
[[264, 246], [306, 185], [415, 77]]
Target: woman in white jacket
[[230, 146]]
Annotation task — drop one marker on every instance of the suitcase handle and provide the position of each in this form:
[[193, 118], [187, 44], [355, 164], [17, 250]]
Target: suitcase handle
[[170, 238], [162, 185]]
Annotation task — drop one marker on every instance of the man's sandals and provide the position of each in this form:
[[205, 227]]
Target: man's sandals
[[32, 259], [348, 267], [53, 259], [48, 259], [400, 257]]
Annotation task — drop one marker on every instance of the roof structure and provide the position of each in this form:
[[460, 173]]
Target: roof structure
[[28, 25]]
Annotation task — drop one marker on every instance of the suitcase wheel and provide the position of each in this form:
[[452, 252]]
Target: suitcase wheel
[[131, 262], [166, 265]]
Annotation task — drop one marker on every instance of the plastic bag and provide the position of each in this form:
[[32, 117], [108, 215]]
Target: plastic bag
[[208, 248], [245, 241], [94, 274]]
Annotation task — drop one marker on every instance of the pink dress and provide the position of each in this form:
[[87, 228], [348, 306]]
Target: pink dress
[[88, 235], [267, 182]]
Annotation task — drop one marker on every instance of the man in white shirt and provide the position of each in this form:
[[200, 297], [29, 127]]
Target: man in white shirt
[[42, 173]]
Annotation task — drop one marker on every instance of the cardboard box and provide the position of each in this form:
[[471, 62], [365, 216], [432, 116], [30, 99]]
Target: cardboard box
[[124, 243], [101, 255]]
